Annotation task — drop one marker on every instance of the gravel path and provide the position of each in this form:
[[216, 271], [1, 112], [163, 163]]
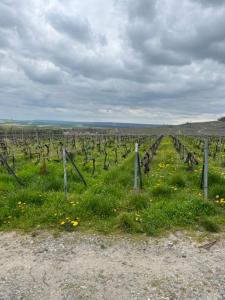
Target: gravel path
[[77, 266]]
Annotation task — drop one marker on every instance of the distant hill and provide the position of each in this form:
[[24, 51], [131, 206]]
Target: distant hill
[[202, 128], [195, 128], [70, 124], [221, 119]]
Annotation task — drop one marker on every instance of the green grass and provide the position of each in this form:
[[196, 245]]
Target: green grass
[[161, 191], [217, 190], [210, 225], [177, 180], [176, 213], [137, 201], [128, 223], [171, 198]]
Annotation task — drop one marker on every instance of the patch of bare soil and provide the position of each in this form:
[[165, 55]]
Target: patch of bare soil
[[78, 266]]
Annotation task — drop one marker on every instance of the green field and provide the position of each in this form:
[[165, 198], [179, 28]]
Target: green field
[[171, 197]]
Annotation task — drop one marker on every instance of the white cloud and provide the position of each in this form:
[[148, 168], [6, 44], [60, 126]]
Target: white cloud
[[119, 60]]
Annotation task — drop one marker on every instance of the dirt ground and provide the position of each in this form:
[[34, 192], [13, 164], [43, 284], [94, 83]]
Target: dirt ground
[[87, 266]]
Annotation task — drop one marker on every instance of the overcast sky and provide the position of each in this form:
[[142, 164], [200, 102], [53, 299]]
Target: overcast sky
[[143, 61]]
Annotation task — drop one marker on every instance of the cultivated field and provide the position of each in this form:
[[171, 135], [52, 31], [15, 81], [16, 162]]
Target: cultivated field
[[85, 182]]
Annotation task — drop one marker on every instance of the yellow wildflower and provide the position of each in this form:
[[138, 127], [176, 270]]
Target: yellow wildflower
[[75, 223]]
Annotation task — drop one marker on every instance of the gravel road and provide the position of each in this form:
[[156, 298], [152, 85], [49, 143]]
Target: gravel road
[[87, 266]]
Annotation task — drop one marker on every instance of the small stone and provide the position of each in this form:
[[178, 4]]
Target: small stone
[[103, 246], [83, 287]]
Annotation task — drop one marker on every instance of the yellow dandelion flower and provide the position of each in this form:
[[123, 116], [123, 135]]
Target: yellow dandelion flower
[[75, 223]]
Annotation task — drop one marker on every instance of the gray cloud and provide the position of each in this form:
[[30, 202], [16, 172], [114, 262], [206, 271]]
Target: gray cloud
[[74, 26], [42, 72], [142, 9], [3, 40], [137, 60], [210, 2], [8, 18]]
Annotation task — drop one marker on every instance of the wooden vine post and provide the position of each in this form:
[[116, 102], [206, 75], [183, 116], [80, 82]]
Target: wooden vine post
[[206, 167], [137, 169], [220, 150], [65, 172], [37, 136]]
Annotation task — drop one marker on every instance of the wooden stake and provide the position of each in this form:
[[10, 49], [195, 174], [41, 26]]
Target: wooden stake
[[136, 167], [65, 172], [206, 168]]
